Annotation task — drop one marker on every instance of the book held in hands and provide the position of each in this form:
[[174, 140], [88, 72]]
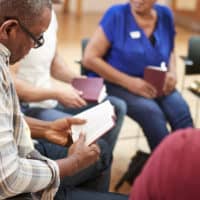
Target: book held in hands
[[155, 75], [100, 119], [93, 88]]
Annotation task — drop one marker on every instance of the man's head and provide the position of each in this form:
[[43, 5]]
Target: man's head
[[22, 23]]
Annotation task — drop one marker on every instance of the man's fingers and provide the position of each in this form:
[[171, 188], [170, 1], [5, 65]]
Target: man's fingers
[[69, 141], [79, 103], [76, 121], [82, 102], [95, 148], [81, 138]]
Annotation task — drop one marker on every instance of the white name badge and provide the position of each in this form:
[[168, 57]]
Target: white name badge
[[135, 34]]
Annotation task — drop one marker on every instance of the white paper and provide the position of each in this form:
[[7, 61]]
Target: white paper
[[100, 119]]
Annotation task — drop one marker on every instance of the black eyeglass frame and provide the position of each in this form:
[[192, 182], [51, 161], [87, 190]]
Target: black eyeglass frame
[[38, 41]]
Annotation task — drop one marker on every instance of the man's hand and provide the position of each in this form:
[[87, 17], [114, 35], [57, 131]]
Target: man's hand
[[84, 155], [70, 97], [59, 131], [170, 83]]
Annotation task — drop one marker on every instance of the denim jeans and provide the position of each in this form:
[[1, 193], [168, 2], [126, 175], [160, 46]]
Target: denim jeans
[[26, 196], [61, 112], [78, 194], [95, 177], [154, 114]]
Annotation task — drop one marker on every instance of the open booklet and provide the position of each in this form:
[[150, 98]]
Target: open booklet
[[100, 119]]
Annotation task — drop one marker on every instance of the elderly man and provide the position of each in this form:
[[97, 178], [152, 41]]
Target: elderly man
[[22, 168]]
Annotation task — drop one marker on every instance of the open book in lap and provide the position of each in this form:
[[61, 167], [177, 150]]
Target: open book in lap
[[100, 119]]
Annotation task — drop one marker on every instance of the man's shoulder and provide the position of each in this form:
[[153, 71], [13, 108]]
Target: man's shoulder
[[3, 67]]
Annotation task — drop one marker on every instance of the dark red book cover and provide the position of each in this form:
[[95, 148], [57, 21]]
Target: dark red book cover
[[93, 88], [156, 77]]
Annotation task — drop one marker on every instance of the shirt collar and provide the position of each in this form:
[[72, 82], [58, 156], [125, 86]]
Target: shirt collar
[[5, 53]]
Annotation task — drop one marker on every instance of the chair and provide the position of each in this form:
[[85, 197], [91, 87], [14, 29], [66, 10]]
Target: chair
[[84, 43], [192, 60], [192, 65]]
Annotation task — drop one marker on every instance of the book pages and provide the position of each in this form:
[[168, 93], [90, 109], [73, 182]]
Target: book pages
[[100, 119]]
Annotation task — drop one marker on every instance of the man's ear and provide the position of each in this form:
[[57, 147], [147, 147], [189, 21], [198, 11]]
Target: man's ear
[[8, 29]]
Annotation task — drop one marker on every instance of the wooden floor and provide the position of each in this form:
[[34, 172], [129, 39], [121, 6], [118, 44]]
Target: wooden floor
[[71, 31]]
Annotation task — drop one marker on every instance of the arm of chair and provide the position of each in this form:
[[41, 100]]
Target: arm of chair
[[83, 71], [78, 62], [195, 87], [187, 61]]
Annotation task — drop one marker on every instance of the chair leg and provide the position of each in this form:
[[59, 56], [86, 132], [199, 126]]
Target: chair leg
[[78, 11], [183, 82], [66, 6], [79, 8]]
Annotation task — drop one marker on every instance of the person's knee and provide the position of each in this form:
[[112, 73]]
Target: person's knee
[[177, 104], [181, 118], [106, 154], [177, 111], [119, 104], [145, 110]]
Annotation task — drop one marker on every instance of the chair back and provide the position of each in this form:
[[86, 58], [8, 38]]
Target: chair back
[[194, 56], [84, 43]]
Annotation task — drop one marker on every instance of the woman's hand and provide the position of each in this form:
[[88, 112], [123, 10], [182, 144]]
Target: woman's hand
[[141, 87], [170, 83]]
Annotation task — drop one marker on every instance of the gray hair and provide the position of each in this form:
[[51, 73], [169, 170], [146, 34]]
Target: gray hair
[[27, 11]]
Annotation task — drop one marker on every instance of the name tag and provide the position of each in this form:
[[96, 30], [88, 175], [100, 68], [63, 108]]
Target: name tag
[[135, 34]]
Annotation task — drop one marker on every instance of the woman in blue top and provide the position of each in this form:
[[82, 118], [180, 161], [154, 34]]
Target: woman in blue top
[[129, 38]]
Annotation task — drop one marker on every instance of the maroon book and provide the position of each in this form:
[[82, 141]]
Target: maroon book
[[93, 88], [156, 77]]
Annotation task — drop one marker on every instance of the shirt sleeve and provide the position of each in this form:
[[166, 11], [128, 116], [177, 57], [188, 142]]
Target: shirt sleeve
[[108, 23], [169, 19], [20, 174]]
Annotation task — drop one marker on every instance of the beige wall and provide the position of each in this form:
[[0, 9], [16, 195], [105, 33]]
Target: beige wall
[[102, 5], [96, 5], [165, 2]]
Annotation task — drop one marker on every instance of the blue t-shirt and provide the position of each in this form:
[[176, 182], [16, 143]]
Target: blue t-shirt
[[131, 50]]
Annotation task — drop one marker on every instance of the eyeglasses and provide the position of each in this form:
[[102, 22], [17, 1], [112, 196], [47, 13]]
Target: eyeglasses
[[38, 42]]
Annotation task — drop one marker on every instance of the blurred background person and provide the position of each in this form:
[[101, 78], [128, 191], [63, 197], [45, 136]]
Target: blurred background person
[[129, 38]]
